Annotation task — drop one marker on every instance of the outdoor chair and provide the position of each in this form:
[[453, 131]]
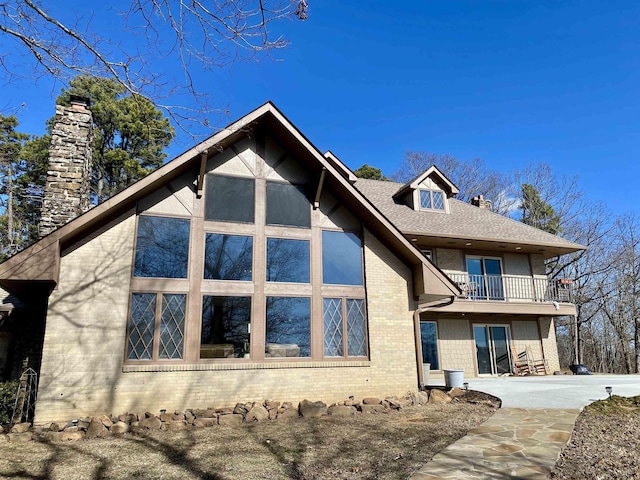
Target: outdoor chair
[[520, 362], [537, 366]]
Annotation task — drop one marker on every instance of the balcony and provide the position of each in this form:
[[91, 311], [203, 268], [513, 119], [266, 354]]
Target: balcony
[[511, 288]]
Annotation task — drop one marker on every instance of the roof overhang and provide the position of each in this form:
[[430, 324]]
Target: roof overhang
[[547, 250]]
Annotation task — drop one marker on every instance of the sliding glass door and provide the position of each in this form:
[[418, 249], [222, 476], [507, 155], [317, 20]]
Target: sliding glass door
[[492, 349]]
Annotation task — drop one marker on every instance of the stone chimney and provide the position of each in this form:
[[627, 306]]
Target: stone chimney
[[66, 193], [480, 202]]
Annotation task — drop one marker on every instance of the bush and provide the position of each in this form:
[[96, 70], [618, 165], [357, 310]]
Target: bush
[[7, 400]]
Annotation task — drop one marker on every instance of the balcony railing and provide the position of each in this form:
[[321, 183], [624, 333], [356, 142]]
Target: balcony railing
[[511, 288]]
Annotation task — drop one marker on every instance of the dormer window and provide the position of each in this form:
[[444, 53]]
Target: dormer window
[[431, 200]]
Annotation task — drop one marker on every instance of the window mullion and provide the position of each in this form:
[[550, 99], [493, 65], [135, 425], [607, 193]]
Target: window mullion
[[345, 333], [156, 330]]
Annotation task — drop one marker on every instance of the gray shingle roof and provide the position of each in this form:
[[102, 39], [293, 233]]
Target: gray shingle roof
[[464, 221]]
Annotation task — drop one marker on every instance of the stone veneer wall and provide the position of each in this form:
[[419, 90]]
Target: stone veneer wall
[[66, 194], [82, 369]]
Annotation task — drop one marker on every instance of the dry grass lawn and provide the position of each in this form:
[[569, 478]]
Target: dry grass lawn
[[383, 446], [605, 444]]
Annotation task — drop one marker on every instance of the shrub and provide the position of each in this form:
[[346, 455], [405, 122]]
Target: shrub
[[7, 400]]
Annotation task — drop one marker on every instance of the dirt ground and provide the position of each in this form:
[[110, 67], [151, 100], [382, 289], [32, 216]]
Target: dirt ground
[[383, 446], [605, 443]]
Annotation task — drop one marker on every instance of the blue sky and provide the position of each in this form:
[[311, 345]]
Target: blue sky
[[510, 82]]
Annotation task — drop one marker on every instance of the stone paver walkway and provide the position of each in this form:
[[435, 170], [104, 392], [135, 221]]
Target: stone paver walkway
[[514, 443]]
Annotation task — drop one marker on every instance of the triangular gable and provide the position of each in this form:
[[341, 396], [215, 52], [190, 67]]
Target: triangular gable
[[427, 277], [433, 173]]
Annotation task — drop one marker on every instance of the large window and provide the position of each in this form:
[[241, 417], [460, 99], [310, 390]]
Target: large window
[[229, 199], [287, 260], [344, 327], [429, 340], [254, 282], [288, 332], [341, 258], [226, 327], [228, 257], [156, 326], [431, 200], [162, 247], [287, 205]]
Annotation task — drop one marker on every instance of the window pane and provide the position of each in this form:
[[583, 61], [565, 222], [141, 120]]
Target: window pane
[[287, 205], [162, 247], [287, 260], [172, 325], [429, 344], [228, 257], [425, 199], [141, 326], [356, 331], [341, 258], [438, 200], [333, 327], [288, 327], [229, 199], [226, 327]]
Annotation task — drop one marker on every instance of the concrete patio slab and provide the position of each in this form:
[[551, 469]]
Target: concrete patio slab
[[555, 391]]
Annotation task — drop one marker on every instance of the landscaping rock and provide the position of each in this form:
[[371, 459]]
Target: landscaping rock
[[166, 417], [393, 402], [71, 436], [20, 427], [232, 419], [372, 408], [240, 409], [23, 437], [205, 422], [456, 392], [178, 416], [56, 427], [128, 418], [106, 421], [151, 423], [271, 405], [83, 424], [119, 427], [189, 417], [256, 414], [174, 425], [96, 428], [287, 414], [223, 411], [422, 398], [4, 438], [312, 409], [371, 401], [342, 410], [438, 396]]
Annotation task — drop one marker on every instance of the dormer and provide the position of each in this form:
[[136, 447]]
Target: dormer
[[428, 192]]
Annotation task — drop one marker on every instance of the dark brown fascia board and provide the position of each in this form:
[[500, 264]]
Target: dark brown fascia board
[[413, 184], [178, 165], [339, 164]]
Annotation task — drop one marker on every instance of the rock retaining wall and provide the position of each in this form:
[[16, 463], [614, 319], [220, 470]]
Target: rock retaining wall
[[107, 425]]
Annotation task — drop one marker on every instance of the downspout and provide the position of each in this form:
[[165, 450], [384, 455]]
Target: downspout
[[416, 327]]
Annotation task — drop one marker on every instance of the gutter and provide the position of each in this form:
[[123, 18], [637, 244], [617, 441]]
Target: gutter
[[424, 307]]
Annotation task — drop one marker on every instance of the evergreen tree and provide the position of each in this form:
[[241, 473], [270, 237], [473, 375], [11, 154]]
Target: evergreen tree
[[372, 173], [537, 212], [10, 222]]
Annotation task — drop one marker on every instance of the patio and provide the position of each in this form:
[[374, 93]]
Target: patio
[[552, 391]]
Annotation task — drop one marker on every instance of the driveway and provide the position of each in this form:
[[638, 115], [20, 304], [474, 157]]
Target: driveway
[[554, 391]]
